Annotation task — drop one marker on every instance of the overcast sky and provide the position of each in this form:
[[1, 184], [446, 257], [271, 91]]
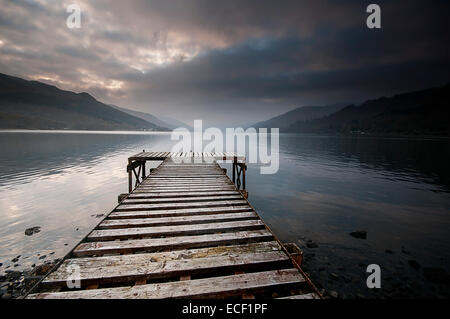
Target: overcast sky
[[227, 62]]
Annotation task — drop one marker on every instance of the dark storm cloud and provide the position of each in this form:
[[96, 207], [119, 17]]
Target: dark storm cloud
[[270, 73], [227, 61]]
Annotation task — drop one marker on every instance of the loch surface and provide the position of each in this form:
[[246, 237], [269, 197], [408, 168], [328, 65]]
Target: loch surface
[[396, 189]]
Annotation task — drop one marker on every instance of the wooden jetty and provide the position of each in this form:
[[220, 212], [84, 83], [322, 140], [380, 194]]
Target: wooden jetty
[[186, 230]]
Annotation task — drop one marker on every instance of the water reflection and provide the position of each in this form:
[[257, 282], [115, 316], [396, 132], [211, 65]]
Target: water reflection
[[395, 189]]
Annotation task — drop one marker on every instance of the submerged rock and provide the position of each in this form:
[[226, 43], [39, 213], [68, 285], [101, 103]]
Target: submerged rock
[[406, 252], [6, 296], [333, 294], [414, 264], [334, 276], [311, 244], [360, 234], [33, 230], [42, 270]]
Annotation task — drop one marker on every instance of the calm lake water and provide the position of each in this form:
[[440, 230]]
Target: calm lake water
[[396, 189]]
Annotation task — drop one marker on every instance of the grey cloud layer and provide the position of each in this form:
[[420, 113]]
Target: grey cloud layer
[[227, 61]]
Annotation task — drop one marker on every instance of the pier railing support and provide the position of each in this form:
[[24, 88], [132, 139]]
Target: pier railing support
[[139, 174], [239, 169], [136, 166]]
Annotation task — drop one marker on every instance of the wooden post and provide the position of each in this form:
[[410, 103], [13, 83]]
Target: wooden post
[[130, 177], [295, 252], [243, 176], [143, 170], [234, 171]]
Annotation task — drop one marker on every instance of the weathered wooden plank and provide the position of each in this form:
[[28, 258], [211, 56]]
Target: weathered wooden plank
[[180, 220], [177, 230], [150, 194], [200, 189], [186, 183], [180, 212], [186, 186], [154, 182], [146, 269], [191, 175], [225, 286], [200, 178], [196, 172], [218, 203], [172, 200], [218, 185], [159, 244], [186, 176], [187, 179], [258, 247], [192, 167]]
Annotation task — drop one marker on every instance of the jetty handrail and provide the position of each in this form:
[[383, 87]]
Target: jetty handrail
[[138, 161]]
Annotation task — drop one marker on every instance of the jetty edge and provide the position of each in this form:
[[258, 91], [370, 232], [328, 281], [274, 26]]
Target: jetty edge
[[186, 230]]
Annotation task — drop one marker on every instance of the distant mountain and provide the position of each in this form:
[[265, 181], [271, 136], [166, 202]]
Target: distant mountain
[[145, 116], [425, 112], [35, 105], [301, 114], [174, 123]]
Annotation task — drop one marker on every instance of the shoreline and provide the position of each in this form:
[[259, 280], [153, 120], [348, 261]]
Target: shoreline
[[144, 132], [14, 284]]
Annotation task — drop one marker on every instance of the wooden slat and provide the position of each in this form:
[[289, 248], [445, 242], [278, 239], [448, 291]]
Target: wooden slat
[[193, 169], [154, 182], [181, 190], [258, 247], [218, 186], [142, 269], [159, 244], [181, 220], [165, 183], [177, 230], [180, 166], [199, 189], [123, 207], [215, 181], [186, 180], [151, 194], [181, 212], [225, 286], [137, 200], [187, 177]]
